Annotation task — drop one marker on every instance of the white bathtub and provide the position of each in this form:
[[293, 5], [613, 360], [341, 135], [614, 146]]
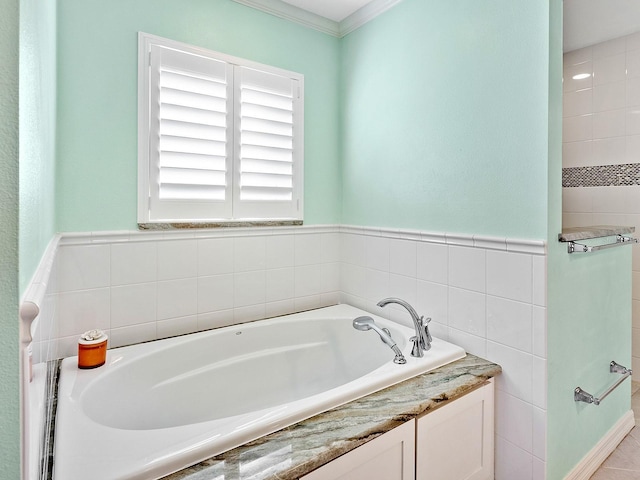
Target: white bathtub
[[158, 407]]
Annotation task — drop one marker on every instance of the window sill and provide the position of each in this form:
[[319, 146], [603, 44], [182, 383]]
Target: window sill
[[235, 224]]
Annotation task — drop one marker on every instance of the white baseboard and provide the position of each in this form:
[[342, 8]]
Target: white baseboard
[[599, 453]]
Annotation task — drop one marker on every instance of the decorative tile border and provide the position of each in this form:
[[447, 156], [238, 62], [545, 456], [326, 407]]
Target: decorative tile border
[[602, 176]]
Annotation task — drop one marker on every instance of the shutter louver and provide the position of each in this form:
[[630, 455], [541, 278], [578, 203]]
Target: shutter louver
[[192, 162], [266, 137]]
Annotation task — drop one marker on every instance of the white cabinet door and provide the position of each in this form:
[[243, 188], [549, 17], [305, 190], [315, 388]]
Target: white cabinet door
[[455, 442], [389, 457]]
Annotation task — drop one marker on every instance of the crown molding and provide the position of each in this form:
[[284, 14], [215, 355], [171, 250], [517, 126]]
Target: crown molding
[[292, 13], [364, 15]]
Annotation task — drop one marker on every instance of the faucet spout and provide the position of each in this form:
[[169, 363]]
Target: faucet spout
[[422, 340]]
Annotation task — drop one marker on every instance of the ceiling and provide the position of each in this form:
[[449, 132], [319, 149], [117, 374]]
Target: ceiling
[[587, 22], [336, 10]]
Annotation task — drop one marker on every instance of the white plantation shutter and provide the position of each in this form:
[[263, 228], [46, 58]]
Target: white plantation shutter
[[220, 138], [190, 157], [266, 148]]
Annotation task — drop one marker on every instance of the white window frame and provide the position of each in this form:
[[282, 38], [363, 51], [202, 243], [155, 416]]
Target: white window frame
[[234, 211]]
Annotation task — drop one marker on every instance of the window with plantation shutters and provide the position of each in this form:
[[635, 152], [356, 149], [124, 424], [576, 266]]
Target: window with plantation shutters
[[220, 138]]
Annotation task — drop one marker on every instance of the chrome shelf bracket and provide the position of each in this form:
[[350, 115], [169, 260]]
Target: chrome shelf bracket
[[575, 247]]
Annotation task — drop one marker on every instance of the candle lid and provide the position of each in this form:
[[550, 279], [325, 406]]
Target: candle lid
[[92, 337]]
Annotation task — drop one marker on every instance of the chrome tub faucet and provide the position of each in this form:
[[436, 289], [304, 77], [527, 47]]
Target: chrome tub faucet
[[422, 339]]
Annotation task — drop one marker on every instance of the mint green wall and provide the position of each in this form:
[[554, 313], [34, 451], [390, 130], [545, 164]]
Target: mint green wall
[[97, 97], [9, 364], [445, 118], [37, 132], [589, 314], [589, 309]]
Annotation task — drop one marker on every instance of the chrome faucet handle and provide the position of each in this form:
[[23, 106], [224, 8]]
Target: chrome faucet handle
[[427, 335], [416, 350]]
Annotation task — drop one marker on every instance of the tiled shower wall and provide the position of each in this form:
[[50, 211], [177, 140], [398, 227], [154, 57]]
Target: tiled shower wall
[[601, 145], [485, 294]]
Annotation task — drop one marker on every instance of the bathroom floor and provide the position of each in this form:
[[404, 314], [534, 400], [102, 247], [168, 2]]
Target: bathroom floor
[[624, 462]]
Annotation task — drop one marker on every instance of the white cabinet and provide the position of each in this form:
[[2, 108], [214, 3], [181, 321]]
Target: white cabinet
[[456, 441], [391, 456]]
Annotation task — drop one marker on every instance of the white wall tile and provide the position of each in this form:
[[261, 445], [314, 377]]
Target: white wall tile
[[472, 344], [353, 249], [608, 200], [249, 253], [512, 462], [633, 92], [279, 284], [632, 122], [308, 280], [307, 303], [133, 304], [330, 247], [577, 154], [280, 251], [610, 47], [215, 256], [510, 323], [177, 326], [539, 433], [575, 129], [249, 288], [249, 313], [515, 422], [539, 398], [510, 275], [467, 311], [403, 287], [83, 310], [633, 63], [81, 267], [467, 268], [609, 96], [609, 151], [433, 262], [610, 69], [281, 307], [540, 331], [215, 293], [177, 259], [433, 301], [377, 253], [144, 332], [308, 249], [177, 298], [403, 257], [632, 149], [217, 319], [576, 57], [517, 370], [133, 262], [539, 264], [330, 277], [353, 280], [377, 284], [576, 103], [570, 84], [610, 123]]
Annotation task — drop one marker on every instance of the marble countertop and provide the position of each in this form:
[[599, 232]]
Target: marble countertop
[[297, 450], [594, 231]]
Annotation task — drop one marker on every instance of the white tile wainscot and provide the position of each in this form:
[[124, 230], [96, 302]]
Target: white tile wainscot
[[486, 294]]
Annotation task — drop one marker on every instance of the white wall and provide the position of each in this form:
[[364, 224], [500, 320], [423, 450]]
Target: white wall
[[601, 146], [486, 294]]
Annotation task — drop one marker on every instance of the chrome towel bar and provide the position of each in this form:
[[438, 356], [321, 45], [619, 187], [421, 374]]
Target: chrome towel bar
[[575, 247], [580, 395]]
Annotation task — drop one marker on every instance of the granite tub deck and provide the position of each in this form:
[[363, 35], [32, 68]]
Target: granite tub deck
[[301, 448]]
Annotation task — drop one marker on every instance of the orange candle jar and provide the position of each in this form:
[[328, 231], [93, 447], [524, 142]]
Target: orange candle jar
[[92, 349]]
